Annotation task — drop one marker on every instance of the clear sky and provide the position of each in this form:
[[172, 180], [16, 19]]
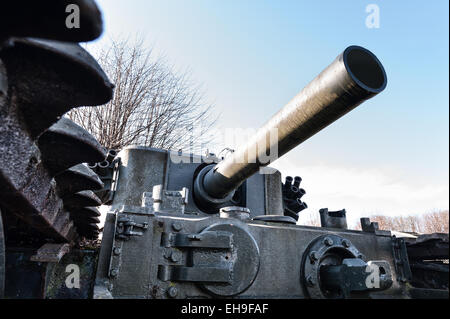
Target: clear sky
[[390, 155]]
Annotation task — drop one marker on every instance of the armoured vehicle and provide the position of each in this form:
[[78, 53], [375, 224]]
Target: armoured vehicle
[[179, 225]]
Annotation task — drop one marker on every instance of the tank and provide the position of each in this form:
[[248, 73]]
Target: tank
[[178, 226]]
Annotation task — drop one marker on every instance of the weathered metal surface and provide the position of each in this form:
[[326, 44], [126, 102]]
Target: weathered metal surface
[[87, 211], [51, 253], [333, 219], [276, 219], [52, 280], [143, 168], [68, 77], [161, 253], [66, 144], [82, 199], [76, 179], [85, 219], [40, 80], [47, 19], [137, 266], [25, 279], [355, 76], [82, 264], [109, 174], [292, 195], [161, 239], [428, 257], [88, 230], [429, 246]]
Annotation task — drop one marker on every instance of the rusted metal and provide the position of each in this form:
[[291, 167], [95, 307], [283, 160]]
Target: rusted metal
[[51, 253], [40, 80], [66, 144], [82, 199], [90, 230], [68, 77], [77, 178], [428, 246], [86, 211]]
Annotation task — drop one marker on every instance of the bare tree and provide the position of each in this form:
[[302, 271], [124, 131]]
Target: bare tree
[[310, 219], [152, 105], [435, 222]]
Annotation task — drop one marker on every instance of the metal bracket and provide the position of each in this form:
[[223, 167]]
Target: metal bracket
[[207, 239], [373, 227], [206, 267], [352, 275], [194, 274], [126, 228], [400, 255], [161, 200]]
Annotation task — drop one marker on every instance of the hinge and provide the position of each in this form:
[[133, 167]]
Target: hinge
[[400, 254], [209, 257], [126, 228]]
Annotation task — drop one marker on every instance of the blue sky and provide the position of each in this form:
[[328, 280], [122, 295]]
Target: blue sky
[[390, 155]]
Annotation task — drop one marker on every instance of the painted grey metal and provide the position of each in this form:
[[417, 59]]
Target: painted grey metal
[[157, 243], [336, 219], [143, 168], [355, 76], [139, 267], [175, 229]]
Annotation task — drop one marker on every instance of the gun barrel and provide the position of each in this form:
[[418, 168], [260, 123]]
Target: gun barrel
[[355, 76]]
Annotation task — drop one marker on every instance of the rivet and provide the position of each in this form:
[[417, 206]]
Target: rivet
[[172, 292], [313, 256], [345, 243], [175, 256], [328, 241], [310, 281], [177, 226]]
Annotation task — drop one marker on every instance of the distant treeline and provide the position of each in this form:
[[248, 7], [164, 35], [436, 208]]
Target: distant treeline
[[434, 222]]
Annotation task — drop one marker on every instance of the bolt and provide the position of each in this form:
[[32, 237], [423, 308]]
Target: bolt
[[172, 292], [177, 226], [175, 257], [114, 272], [313, 256], [117, 251], [345, 243], [167, 253], [328, 241], [310, 281]]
